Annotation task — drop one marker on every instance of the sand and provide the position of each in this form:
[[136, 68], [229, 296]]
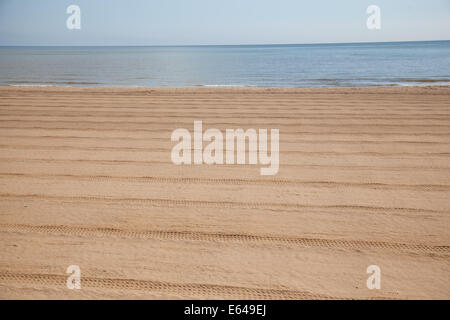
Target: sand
[[86, 179]]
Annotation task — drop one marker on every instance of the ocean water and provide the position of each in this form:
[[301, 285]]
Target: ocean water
[[318, 65]]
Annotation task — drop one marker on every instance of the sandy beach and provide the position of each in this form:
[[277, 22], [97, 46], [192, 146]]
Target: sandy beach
[[86, 179]]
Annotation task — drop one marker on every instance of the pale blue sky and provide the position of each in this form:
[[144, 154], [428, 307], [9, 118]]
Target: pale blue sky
[[185, 22]]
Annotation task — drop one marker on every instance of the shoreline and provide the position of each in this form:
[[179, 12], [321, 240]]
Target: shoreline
[[426, 84], [410, 88]]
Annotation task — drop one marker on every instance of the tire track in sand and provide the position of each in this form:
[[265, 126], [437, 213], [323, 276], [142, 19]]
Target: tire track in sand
[[216, 204], [219, 237], [179, 289], [228, 181]]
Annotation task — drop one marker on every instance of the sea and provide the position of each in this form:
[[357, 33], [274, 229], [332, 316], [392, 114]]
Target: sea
[[267, 66]]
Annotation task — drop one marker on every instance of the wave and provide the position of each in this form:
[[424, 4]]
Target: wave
[[227, 85], [378, 79], [316, 82], [24, 83], [423, 80], [30, 85]]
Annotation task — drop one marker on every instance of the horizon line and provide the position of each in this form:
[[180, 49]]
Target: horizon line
[[227, 45]]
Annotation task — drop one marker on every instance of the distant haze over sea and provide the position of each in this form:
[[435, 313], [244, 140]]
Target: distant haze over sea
[[308, 65]]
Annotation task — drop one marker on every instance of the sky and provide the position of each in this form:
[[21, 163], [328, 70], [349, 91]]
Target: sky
[[220, 22]]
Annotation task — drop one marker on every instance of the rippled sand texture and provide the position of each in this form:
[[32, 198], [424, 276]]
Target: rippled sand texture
[[86, 179]]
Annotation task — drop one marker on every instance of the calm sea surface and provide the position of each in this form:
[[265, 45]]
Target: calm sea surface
[[320, 65]]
